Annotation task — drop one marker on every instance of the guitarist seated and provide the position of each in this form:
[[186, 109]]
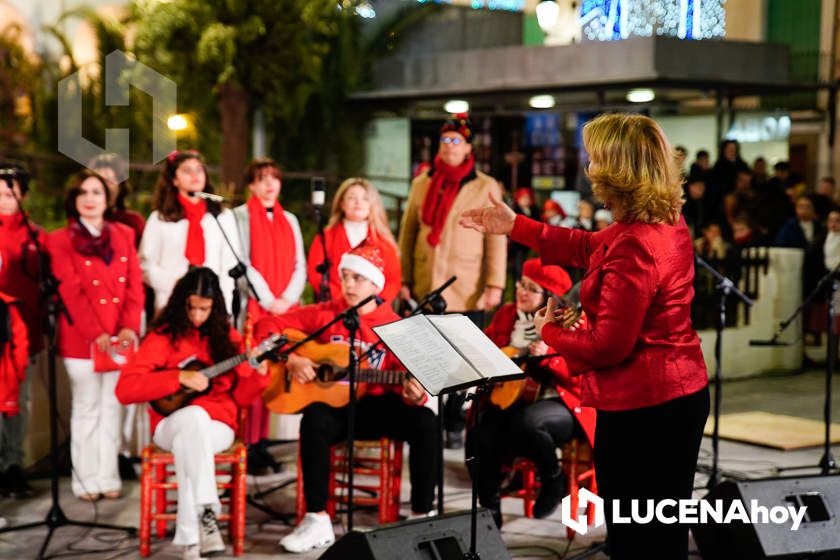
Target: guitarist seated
[[389, 411], [531, 427], [193, 325]]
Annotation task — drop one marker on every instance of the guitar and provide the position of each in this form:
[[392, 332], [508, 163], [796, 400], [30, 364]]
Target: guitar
[[183, 396], [526, 390], [286, 395]]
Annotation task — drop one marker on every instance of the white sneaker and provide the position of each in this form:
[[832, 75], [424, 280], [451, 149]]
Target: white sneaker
[[3, 522], [314, 531], [192, 552]]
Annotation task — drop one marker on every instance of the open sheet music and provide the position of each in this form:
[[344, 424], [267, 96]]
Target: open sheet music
[[446, 352]]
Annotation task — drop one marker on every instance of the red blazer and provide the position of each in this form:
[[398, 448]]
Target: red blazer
[[101, 298], [638, 348], [153, 373], [310, 318], [14, 357], [19, 273], [337, 245], [567, 385]]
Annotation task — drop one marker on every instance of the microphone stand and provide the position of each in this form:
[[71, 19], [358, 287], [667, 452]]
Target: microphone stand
[[48, 283], [324, 268], [351, 323], [724, 286], [829, 280]]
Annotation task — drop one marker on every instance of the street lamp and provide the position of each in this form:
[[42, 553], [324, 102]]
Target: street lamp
[[548, 12], [177, 123]]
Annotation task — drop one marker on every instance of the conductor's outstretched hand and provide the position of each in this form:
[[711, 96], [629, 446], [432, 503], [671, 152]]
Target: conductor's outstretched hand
[[497, 218]]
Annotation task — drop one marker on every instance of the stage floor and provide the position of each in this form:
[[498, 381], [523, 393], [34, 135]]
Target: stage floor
[[796, 395]]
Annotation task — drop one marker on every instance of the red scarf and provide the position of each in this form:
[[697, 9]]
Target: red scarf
[[273, 250], [443, 188], [85, 243], [194, 212]]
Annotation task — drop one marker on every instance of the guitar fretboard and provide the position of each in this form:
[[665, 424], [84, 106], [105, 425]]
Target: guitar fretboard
[[224, 365], [381, 376]]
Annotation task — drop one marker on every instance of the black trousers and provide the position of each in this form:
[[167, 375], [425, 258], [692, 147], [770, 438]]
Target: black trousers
[[533, 431], [387, 415], [649, 453]]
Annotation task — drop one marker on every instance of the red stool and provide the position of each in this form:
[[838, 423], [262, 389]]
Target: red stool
[[380, 459], [157, 479], [579, 468]]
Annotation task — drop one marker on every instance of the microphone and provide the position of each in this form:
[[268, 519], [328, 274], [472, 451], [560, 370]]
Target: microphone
[[769, 343], [434, 299], [319, 192], [208, 196]]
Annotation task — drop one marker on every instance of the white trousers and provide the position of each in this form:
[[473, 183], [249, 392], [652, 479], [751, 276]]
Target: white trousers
[[95, 423], [193, 438]]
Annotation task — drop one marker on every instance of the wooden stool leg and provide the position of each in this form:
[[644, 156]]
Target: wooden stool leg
[[237, 500], [160, 501], [146, 480], [384, 479]]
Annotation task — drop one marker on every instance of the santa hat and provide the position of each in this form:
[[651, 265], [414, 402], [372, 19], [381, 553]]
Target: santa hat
[[459, 123], [550, 277], [365, 260]]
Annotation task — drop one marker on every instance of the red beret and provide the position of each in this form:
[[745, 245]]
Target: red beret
[[551, 277]]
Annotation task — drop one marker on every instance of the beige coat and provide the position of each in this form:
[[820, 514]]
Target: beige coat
[[478, 260]]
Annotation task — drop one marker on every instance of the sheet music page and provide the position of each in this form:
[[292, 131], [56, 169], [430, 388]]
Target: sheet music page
[[426, 353], [474, 345]]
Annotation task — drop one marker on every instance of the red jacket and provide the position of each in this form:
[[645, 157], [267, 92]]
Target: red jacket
[[310, 318], [19, 273], [638, 348], [101, 298], [14, 357], [154, 370], [337, 245], [567, 385]]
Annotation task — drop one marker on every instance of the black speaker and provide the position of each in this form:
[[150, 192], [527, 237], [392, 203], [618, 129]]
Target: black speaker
[[446, 537], [818, 536]]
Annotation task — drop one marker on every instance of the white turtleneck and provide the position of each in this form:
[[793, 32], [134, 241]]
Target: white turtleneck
[[356, 232], [93, 231]]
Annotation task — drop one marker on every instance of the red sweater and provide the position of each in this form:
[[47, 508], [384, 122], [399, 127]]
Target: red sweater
[[638, 348], [101, 298], [19, 273], [310, 318], [154, 370], [567, 385], [14, 357], [337, 245]]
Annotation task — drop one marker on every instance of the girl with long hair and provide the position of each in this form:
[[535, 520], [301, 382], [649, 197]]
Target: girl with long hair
[[193, 326], [357, 216], [182, 231]]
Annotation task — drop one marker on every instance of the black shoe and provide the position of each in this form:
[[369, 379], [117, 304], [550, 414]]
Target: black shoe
[[126, 467], [552, 490], [16, 484], [454, 439]]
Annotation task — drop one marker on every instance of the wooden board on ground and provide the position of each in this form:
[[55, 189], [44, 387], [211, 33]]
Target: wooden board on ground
[[778, 431]]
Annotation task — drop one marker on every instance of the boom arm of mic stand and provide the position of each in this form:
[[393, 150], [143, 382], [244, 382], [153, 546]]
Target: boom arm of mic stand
[[827, 277], [724, 283], [334, 320]]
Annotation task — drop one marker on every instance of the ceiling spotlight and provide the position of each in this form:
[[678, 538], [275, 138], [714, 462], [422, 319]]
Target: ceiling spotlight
[[454, 106], [641, 95], [541, 102]]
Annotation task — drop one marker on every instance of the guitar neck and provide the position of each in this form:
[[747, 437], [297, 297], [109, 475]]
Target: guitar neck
[[224, 366], [381, 376]]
